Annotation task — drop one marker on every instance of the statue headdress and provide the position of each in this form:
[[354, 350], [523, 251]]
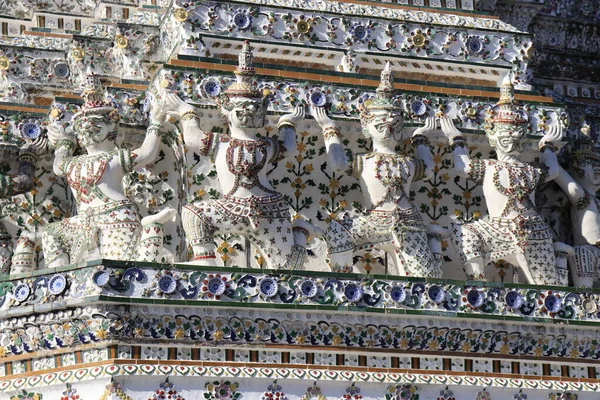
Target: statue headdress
[[384, 100], [96, 109], [383, 95], [95, 102], [585, 147], [244, 73], [505, 118]]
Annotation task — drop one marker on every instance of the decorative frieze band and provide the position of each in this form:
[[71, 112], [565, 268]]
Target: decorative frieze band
[[243, 374], [353, 33]]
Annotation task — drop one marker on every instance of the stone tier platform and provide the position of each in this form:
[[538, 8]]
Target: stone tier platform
[[127, 327]]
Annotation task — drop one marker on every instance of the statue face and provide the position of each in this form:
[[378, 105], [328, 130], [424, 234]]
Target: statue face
[[508, 139], [93, 129], [384, 125], [247, 113]]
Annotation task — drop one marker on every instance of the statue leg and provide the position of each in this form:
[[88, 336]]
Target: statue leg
[[471, 248], [151, 241], [301, 231], [24, 258], [396, 257], [538, 263], [119, 233], [275, 241], [584, 265], [201, 221], [340, 247], [55, 245], [414, 254], [562, 252], [6, 251], [435, 235]]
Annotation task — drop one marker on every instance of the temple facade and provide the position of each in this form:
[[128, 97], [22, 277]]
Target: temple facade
[[303, 199]]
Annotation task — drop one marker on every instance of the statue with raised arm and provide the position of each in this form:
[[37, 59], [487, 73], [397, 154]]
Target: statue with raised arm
[[12, 185], [107, 224], [581, 184], [513, 230], [391, 223], [250, 206]]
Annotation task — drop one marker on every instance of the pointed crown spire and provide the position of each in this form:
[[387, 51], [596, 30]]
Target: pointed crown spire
[[507, 91], [94, 97], [244, 73], [384, 92], [506, 112]]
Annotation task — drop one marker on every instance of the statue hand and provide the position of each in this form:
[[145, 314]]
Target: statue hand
[[553, 136], [428, 127], [172, 104], [39, 146], [448, 128], [57, 133], [294, 117], [320, 115], [158, 116]]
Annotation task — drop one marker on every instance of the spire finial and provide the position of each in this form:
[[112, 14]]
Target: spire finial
[[94, 99], [244, 72], [507, 91], [385, 90], [245, 61]]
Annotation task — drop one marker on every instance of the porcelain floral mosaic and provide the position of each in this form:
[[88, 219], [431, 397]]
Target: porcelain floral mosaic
[[299, 200], [353, 34]]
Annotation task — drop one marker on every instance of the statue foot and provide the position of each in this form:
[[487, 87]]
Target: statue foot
[[562, 253], [61, 261], [161, 217], [474, 270]]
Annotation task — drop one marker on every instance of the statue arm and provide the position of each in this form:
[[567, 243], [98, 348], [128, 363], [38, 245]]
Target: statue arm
[[548, 147], [64, 144], [460, 152], [420, 144], [24, 179], [462, 161], [148, 151], [551, 162], [62, 155], [571, 188], [146, 154], [193, 136], [287, 132], [333, 141]]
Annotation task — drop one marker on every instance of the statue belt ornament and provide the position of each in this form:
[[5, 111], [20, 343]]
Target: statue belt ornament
[[107, 208], [396, 215], [377, 226], [522, 226], [254, 208]]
